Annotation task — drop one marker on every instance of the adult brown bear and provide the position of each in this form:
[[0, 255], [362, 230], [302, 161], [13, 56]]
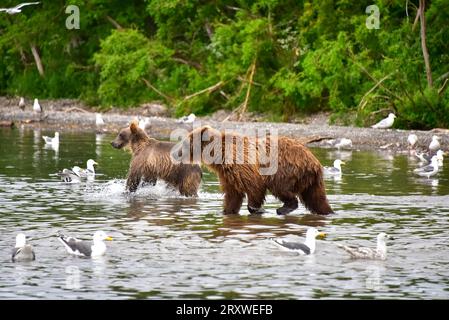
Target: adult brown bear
[[236, 159], [151, 161]]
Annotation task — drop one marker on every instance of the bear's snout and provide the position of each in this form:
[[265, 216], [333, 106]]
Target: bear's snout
[[115, 145]]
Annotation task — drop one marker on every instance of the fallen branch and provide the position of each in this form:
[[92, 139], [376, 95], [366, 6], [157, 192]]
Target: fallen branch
[[209, 89], [149, 85], [76, 109], [443, 87], [373, 88], [245, 103], [37, 59], [114, 23]]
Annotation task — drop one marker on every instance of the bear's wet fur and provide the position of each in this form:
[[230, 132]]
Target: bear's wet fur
[[151, 161]]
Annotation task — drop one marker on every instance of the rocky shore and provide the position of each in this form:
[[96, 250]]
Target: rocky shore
[[71, 115]]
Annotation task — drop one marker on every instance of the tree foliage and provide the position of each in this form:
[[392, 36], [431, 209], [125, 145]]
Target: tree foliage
[[277, 57]]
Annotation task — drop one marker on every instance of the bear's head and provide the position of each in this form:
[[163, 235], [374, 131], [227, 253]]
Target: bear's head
[[129, 136], [199, 144]]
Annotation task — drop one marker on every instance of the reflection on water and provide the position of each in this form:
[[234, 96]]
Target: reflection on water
[[167, 246]]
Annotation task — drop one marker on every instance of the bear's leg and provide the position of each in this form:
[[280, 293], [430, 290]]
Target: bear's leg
[[290, 202], [150, 180], [188, 190], [255, 202], [232, 201], [314, 198], [133, 181]]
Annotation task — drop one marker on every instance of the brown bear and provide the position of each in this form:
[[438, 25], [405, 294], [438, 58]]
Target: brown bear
[[236, 159], [151, 161]]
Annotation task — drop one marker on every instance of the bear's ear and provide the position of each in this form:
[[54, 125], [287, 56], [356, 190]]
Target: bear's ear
[[134, 125], [207, 132]]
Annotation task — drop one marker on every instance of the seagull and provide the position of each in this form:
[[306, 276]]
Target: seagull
[[143, 123], [412, 139], [385, 123], [90, 170], [22, 103], [336, 169], [440, 157], [70, 176], [99, 120], [17, 9], [343, 143], [84, 248], [53, 141], [306, 248], [380, 253], [22, 251], [430, 170], [36, 106], [187, 119], [434, 144]]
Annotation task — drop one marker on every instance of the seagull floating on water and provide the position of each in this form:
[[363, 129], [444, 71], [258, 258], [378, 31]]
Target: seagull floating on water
[[380, 253], [84, 248], [306, 248], [89, 171], [22, 251], [187, 119], [70, 176], [18, 8], [430, 170], [385, 123], [434, 144], [36, 106], [336, 169], [53, 141]]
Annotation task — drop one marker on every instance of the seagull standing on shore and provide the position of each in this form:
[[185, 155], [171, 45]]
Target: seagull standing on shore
[[306, 248], [36, 106], [143, 123], [385, 123], [380, 253], [434, 144], [336, 169], [99, 120], [412, 139], [430, 170], [22, 103], [22, 251], [84, 248], [187, 119], [18, 8]]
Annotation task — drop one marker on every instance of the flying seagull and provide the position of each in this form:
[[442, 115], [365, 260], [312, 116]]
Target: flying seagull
[[84, 248], [336, 169], [380, 253], [429, 170], [306, 248], [18, 8], [22, 251], [385, 123]]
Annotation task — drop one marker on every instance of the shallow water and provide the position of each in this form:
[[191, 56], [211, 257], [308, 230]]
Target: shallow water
[[167, 246]]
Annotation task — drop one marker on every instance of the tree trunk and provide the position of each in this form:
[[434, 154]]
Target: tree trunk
[[425, 52], [37, 59]]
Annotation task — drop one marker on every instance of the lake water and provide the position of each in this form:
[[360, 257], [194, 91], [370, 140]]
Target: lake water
[[167, 246]]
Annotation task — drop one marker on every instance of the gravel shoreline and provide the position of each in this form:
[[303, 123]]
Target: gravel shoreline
[[68, 116]]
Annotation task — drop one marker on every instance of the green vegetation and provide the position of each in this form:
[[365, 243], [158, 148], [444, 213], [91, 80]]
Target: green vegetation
[[281, 58]]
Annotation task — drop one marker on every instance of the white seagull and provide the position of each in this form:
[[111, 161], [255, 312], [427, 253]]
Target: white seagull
[[89, 171], [434, 144], [412, 139], [336, 169], [380, 253], [430, 170], [53, 141], [144, 122], [187, 119], [385, 123], [306, 248], [84, 248], [22, 103], [18, 8], [22, 251], [36, 106], [99, 120], [70, 176]]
